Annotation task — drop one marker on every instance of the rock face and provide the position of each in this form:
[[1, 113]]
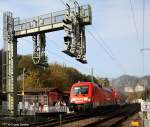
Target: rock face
[[130, 81]]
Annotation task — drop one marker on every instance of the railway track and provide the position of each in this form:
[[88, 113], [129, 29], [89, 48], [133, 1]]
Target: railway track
[[75, 117], [107, 119], [66, 119], [116, 118]]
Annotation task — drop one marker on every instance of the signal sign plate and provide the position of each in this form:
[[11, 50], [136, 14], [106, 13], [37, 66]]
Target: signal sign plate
[[145, 106]]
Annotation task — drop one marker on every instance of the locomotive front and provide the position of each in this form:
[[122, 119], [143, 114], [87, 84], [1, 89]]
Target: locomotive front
[[80, 96]]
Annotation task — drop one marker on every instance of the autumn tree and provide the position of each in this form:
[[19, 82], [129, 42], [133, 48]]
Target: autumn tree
[[33, 73], [55, 75], [104, 82]]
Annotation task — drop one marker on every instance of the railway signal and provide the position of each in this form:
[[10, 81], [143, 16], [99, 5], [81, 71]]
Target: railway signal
[[39, 43], [82, 46], [68, 28], [75, 42]]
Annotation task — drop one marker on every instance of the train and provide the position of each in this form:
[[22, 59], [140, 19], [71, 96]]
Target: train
[[89, 95]]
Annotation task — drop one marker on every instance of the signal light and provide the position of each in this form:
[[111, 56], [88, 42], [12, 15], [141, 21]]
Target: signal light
[[68, 53], [67, 39], [75, 43], [67, 20], [81, 60]]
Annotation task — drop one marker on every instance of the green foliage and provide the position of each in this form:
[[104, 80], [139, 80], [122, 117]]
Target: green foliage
[[26, 62], [103, 82]]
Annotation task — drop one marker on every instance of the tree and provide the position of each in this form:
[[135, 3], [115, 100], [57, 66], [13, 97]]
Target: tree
[[104, 82], [55, 75]]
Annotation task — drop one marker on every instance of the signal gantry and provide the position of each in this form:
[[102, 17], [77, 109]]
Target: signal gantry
[[72, 20]]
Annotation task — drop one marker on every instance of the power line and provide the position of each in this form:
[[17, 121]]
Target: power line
[[71, 2], [107, 52], [137, 36], [64, 58], [56, 44], [55, 54], [134, 22], [143, 39], [145, 49], [63, 2], [100, 44], [104, 42], [59, 56]]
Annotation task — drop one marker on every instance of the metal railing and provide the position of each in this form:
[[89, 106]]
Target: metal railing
[[48, 19]]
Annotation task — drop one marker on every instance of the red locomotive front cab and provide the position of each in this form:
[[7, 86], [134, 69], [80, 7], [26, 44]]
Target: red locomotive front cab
[[80, 95]]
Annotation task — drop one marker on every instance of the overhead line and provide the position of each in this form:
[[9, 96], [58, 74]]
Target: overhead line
[[107, 52], [104, 42], [100, 44], [143, 39], [64, 58], [59, 56], [63, 2], [134, 22], [56, 44]]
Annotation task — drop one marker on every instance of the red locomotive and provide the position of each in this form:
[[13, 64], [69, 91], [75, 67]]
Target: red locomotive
[[88, 95]]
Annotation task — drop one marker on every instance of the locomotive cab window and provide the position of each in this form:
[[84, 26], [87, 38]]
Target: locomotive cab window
[[81, 90]]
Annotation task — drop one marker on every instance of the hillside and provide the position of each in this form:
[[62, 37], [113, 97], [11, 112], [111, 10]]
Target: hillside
[[55, 75], [63, 76], [130, 81]]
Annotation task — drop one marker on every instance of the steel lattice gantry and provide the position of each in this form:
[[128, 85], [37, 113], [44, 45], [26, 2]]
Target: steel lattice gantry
[[10, 63], [14, 28], [47, 23]]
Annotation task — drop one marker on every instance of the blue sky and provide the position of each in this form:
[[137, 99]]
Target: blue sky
[[112, 26]]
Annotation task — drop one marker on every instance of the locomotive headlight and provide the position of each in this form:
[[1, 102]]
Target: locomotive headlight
[[73, 99], [87, 99]]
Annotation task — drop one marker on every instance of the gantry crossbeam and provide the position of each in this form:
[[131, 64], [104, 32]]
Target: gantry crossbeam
[[47, 23]]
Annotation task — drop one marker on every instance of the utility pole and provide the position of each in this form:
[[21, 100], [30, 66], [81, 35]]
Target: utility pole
[[92, 77], [146, 103], [144, 49], [23, 75], [144, 84], [23, 83]]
